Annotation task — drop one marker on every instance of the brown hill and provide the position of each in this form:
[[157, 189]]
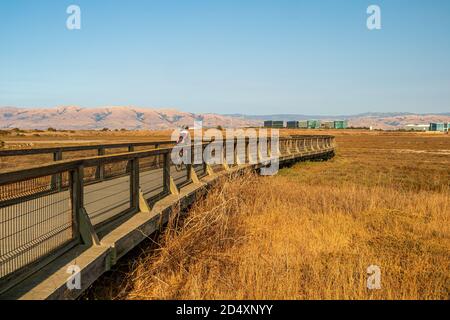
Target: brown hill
[[76, 118]]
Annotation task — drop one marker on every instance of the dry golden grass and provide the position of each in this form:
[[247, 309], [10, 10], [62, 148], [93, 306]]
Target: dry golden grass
[[310, 232]]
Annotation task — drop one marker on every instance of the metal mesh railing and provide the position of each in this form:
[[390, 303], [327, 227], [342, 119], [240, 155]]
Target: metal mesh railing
[[198, 162], [200, 169], [111, 197], [241, 152], [25, 188], [252, 152], [151, 177], [301, 145], [180, 174], [284, 149], [294, 146], [217, 156], [32, 225]]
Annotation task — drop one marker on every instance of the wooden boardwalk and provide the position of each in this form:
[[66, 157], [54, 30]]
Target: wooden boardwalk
[[89, 212]]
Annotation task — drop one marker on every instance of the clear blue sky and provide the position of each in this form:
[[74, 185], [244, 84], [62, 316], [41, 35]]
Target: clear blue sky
[[229, 56]]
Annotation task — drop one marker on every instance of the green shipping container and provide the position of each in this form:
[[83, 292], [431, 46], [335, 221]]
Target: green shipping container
[[340, 124], [313, 124]]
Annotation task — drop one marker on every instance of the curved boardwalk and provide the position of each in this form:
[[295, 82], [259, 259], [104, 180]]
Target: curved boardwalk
[[90, 212]]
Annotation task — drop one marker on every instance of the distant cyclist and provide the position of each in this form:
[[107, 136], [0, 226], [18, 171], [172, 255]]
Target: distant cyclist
[[183, 141]]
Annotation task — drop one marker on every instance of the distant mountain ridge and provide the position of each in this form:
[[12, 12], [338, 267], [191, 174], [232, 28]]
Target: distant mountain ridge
[[376, 120], [132, 118]]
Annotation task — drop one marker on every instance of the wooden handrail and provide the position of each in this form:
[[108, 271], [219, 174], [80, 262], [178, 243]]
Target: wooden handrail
[[34, 151]]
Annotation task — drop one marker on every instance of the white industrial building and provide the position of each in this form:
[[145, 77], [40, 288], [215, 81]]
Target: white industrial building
[[417, 127]]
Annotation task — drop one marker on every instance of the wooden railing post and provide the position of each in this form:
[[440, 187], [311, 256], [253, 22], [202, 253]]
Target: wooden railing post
[[247, 150], [77, 190], [258, 151], [166, 172], [237, 160], [74, 190], [85, 229], [224, 156], [189, 167], [169, 184], [235, 152], [57, 178], [134, 183], [130, 149], [100, 172], [205, 165]]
